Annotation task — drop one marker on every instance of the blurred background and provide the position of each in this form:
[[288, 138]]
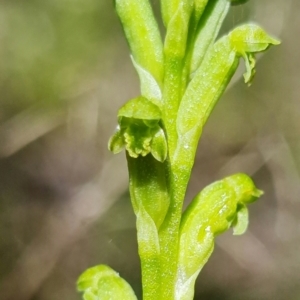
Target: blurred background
[[64, 206]]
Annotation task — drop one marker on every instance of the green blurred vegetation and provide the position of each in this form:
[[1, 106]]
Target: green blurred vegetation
[[64, 72], [46, 48]]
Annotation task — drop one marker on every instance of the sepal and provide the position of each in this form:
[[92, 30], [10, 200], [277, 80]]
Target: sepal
[[116, 142], [102, 282], [159, 146], [240, 224]]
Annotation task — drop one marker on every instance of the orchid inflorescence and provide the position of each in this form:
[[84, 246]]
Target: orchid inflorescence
[[181, 78]]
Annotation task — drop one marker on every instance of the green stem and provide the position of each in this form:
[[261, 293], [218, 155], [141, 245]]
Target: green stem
[[169, 233]]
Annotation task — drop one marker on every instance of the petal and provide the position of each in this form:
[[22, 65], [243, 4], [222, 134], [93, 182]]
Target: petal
[[159, 146], [116, 141]]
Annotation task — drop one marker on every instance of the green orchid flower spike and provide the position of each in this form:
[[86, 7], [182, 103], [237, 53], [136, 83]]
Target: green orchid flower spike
[[182, 77]]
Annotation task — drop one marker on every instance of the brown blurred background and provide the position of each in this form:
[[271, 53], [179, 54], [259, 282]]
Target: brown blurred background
[[64, 206]]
